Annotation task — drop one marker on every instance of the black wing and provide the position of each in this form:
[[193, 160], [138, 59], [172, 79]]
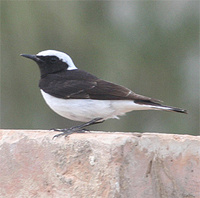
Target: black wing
[[78, 84]]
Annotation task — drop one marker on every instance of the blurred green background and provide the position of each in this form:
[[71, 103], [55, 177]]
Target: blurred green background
[[151, 47]]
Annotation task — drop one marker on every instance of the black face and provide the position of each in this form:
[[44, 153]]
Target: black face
[[48, 64]]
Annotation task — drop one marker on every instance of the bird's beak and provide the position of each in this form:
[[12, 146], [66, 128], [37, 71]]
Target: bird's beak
[[33, 57]]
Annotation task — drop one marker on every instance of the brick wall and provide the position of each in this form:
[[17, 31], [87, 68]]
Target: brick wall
[[98, 164]]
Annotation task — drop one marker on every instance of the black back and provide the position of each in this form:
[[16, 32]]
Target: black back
[[78, 84]]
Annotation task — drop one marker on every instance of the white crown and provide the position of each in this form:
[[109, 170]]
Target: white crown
[[61, 55]]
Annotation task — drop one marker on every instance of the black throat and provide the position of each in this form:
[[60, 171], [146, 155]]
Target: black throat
[[51, 65]]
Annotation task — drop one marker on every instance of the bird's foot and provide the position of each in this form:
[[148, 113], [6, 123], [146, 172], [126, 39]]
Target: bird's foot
[[69, 131], [77, 129]]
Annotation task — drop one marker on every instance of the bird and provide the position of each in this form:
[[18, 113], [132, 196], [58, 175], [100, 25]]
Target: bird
[[80, 96]]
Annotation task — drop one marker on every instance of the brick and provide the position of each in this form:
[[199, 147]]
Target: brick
[[98, 164]]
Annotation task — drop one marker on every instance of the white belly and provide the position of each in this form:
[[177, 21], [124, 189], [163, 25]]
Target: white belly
[[87, 109]]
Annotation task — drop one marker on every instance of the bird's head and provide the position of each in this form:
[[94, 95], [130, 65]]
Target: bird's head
[[52, 61]]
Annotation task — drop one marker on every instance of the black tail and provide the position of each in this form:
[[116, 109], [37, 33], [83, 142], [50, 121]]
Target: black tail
[[179, 110], [168, 108], [156, 105]]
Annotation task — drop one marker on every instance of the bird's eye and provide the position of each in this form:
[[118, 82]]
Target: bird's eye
[[53, 60]]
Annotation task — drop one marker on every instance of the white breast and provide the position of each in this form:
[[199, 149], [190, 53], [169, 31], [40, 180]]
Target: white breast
[[85, 110]]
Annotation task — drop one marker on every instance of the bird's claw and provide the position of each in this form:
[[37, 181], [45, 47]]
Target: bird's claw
[[77, 129], [66, 132]]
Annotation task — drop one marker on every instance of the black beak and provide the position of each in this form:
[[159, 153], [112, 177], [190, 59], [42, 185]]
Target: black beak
[[33, 57]]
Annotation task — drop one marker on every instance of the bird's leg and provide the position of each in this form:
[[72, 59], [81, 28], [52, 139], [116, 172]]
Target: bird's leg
[[78, 128]]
